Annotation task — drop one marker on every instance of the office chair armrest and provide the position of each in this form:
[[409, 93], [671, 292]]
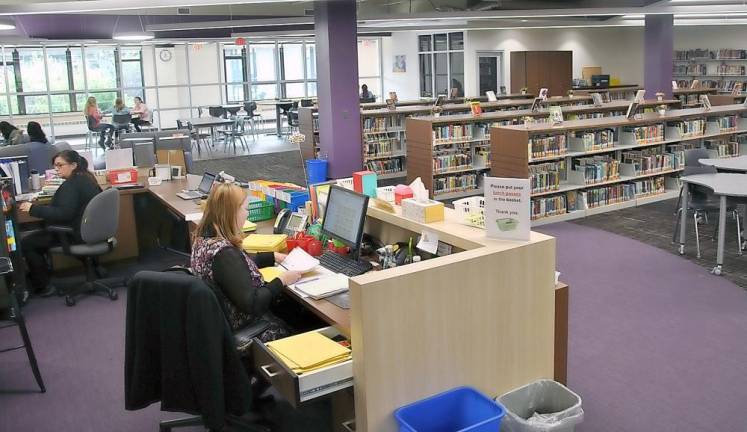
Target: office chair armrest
[[63, 234], [243, 337]]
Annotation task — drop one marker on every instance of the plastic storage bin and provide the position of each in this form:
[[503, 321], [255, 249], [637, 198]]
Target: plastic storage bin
[[471, 211], [542, 406], [316, 169], [260, 211], [462, 409]]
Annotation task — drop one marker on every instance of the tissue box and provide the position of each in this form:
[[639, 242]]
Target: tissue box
[[427, 212], [365, 182], [402, 192]]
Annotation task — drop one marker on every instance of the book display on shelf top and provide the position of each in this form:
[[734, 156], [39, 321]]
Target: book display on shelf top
[[556, 115], [705, 102]]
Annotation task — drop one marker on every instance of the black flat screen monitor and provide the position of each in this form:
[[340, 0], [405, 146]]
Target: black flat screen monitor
[[344, 217], [600, 81]]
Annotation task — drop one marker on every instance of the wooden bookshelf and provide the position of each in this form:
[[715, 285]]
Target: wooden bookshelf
[[584, 167], [614, 93], [430, 101], [473, 141], [727, 99], [308, 126]]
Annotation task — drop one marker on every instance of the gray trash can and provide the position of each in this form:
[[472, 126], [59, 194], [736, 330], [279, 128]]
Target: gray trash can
[[542, 406]]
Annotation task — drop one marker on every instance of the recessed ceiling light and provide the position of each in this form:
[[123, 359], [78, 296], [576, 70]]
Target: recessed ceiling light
[[133, 36], [524, 20]]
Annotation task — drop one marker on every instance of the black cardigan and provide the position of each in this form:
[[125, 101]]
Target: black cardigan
[[68, 203], [231, 274]]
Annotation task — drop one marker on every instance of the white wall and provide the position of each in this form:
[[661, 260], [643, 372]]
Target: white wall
[[407, 84]]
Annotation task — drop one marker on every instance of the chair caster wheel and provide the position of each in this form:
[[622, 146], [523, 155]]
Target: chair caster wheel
[[113, 295], [69, 301], [716, 270]]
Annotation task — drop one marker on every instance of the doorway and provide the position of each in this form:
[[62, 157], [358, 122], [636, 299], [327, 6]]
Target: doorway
[[490, 72]]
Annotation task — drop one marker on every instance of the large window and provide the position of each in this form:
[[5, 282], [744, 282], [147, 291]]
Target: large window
[[441, 63], [40, 80], [269, 70], [369, 66]]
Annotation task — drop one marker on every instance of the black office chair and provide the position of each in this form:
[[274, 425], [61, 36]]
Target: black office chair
[[121, 122], [198, 137], [97, 229], [179, 349], [252, 117], [702, 201], [11, 312], [284, 107]]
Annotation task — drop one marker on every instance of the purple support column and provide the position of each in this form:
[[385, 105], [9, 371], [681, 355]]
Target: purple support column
[[659, 48], [337, 86]]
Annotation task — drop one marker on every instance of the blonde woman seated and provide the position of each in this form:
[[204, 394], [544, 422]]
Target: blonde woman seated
[[218, 259]]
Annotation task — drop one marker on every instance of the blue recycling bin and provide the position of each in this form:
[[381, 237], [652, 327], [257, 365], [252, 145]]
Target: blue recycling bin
[[316, 170], [461, 409]]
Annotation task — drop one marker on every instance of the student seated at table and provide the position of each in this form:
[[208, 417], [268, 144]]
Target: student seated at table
[[120, 109], [38, 148], [141, 109], [93, 117], [66, 208], [10, 133], [217, 257]]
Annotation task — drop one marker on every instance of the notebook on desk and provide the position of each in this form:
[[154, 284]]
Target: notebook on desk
[[323, 286]]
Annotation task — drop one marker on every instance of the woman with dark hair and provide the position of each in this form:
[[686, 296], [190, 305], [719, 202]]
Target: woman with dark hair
[[66, 208], [10, 133], [38, 148]]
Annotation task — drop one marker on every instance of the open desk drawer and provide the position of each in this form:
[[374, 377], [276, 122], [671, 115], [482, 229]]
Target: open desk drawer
[[301, 388]]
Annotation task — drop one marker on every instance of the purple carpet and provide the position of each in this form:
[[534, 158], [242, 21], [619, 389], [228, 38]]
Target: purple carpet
[[656, 344]]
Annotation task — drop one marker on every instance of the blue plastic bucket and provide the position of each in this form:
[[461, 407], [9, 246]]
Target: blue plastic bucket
[[462, 409], [316, 169]]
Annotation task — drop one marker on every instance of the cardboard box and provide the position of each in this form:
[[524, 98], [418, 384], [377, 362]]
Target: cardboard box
[[364, 182], [429, 212]]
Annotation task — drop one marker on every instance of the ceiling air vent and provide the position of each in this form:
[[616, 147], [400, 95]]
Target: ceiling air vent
[[183, 11]]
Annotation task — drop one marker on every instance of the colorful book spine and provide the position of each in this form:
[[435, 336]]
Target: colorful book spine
[[553, 145], [548, 206], [451, 162], [544, 177], [598, 169], [456, 183]]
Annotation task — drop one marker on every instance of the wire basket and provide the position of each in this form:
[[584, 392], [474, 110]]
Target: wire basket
[[471, 211], [260, 211], [385, 193], [346, 183]]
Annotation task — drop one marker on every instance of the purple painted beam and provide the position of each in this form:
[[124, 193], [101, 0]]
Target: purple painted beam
[[659, 53], [337, 86]]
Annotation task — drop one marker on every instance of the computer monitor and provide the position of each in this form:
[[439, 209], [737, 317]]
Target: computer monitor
[[206, 183], [344, 217], [16, 167], [600, 80]]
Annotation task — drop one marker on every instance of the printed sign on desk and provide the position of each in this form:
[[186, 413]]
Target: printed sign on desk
[[507, 208]]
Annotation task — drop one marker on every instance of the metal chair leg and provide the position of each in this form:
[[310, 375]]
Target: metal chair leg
[[697, 234], [21, 322], [676, 225], [739, 233]]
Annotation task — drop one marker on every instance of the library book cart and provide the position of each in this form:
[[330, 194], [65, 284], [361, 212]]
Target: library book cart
[[584, 167], [452, 153]]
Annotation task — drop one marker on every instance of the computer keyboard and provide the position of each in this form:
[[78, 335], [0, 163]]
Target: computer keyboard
[[344, 265]]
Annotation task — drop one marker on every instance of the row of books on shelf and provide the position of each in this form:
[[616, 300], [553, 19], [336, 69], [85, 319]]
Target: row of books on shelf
[[452, 132], [691, 128], [596, 140], [597, 169], [381, 124], [451, 162], [729, 69], [727, 122], [646, 134], [545, 177], [456, 183], [723, 148], [596, 197], [386, 166], [381, 147], [718, 54], [548, 146], [653, 160], [693, 69]]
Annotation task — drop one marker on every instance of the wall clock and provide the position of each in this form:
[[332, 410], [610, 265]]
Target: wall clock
[[165, 55]]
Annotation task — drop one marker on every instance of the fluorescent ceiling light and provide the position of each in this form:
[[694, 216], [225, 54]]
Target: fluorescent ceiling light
[[7, 24], [134, 36]]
